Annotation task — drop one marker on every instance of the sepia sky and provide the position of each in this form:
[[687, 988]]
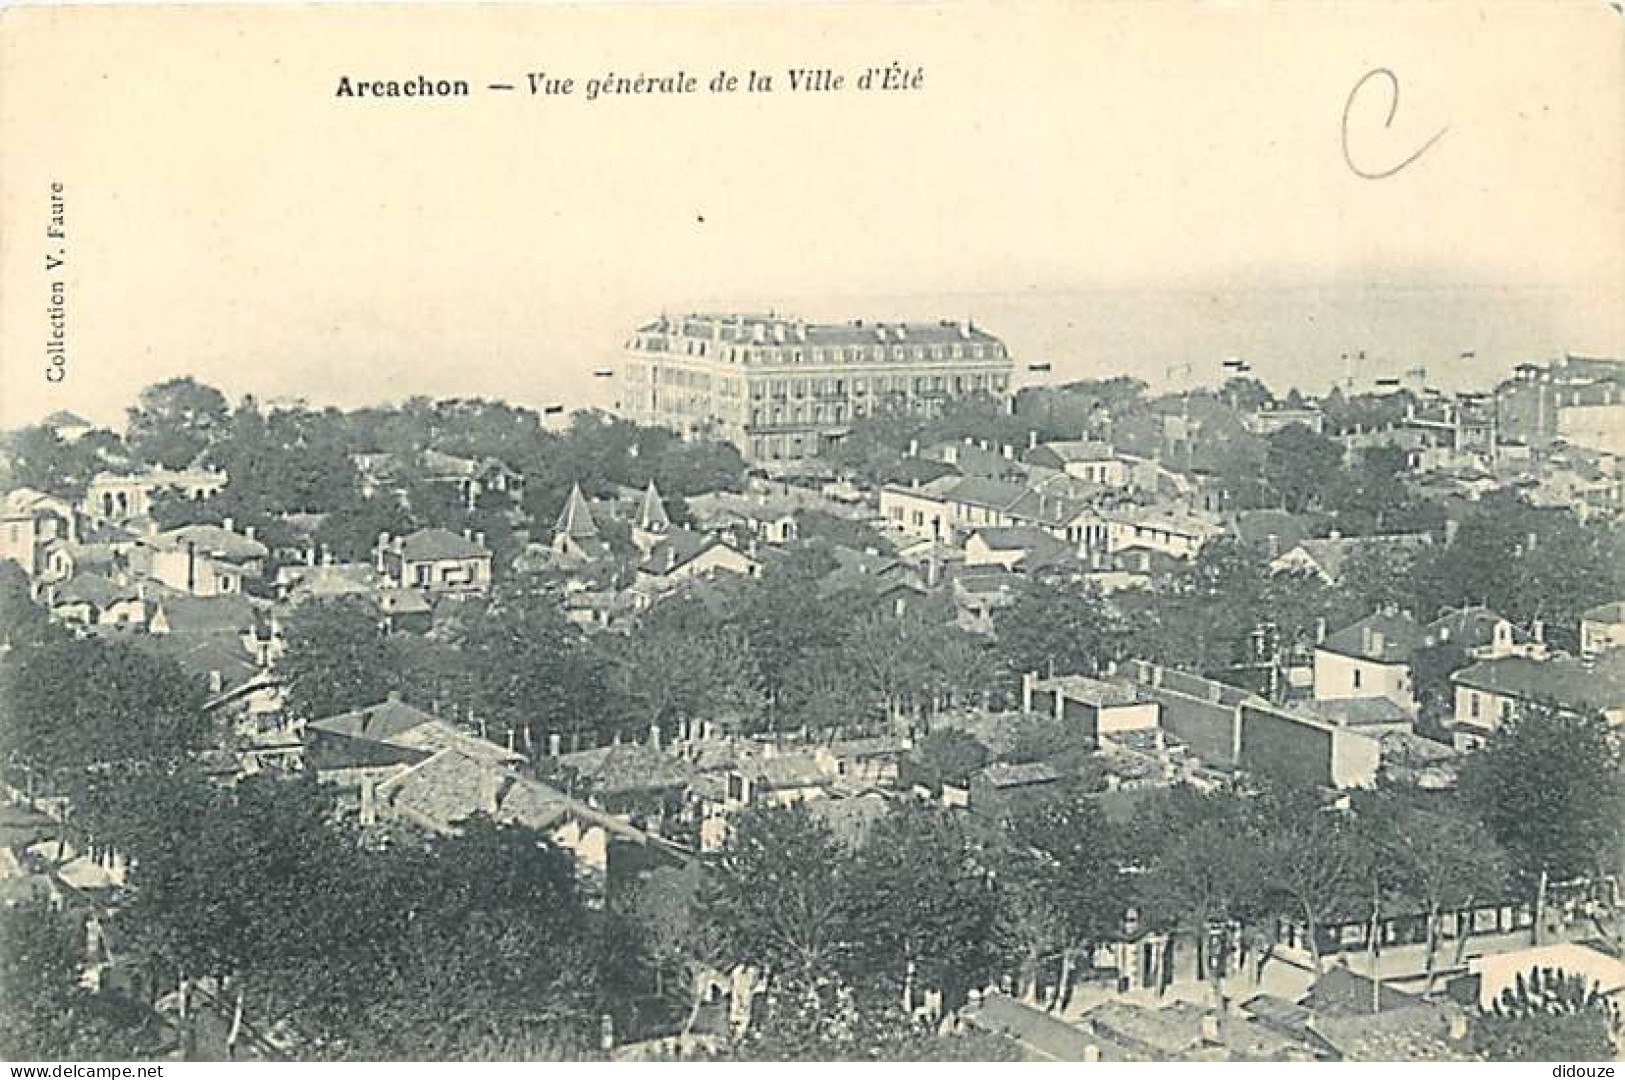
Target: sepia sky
[[1110, 187]]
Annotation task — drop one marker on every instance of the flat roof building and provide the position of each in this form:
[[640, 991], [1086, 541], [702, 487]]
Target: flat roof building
[[780, 389]]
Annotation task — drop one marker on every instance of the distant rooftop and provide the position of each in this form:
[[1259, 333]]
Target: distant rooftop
[[749, 329]]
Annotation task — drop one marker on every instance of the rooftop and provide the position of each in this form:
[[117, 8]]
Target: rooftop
[[1381, 637], [435, 544], [1092, 691], [1003, 774], [1565, 682], [1041, 1035], [774, 329], [216, 541], [1606, 613]]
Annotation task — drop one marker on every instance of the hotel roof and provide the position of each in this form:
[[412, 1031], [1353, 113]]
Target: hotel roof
[[742, 328]]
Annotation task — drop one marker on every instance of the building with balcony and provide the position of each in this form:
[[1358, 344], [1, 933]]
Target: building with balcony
[[781, 389]]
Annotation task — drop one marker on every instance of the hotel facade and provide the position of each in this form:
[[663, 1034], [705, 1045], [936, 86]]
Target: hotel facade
[[781, 389]]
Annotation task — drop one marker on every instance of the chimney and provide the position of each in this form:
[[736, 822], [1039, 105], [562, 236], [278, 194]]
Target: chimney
[[778, 332], [227, 523], [479, 539], [654, 737], [553, 744], [1032, 440], [327, 555], [310, 556], [216, 682], [369, 802], [1009, 452], [914, 448], [490, 791], [1457, 1029], [1212, 1028], [248, 531], [1272, 545]]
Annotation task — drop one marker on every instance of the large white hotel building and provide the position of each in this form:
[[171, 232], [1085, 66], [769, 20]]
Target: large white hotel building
[[779, 388]]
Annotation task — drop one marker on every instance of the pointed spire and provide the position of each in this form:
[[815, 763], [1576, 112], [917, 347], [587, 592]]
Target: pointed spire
[[576, 520], [652, 514]]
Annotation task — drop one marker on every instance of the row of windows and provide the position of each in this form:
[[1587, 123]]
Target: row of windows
[[835, 354], [919, 384]]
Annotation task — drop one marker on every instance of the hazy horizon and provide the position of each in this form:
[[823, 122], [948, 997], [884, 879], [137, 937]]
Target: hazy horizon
[[1109, 189]]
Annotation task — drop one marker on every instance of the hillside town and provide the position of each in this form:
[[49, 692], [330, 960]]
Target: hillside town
[[851, 691]]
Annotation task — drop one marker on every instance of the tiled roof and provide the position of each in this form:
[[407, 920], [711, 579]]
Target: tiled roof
[[1417, 1032], [1092, 691], [1469, 627], [869, 562], [1331, 554], [1566, 682], [1167, 1032], [1257, 526], [402, 601], [984, 492], [1078, 450], [379, 722], [207, 614], [1342, 992], [652, 511], [575, 520], [435, 544], [627, 767], [212, 540], [1606, 613], [1002, 774], [532, 804], [784, 771], [444, 790], [1044, 1037], [21, 501], [678, 547], [203, 654], [1400, 636], [437, 735], [334, 579], [97, 590], [1353, 712], [1016, 538]]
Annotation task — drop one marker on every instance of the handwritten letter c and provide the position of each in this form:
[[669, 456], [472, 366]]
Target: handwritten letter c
[[1393, 107]]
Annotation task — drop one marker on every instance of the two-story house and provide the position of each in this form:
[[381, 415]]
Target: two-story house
[[203, 560], [1371, 658], [1602, 628], [435, 560]]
